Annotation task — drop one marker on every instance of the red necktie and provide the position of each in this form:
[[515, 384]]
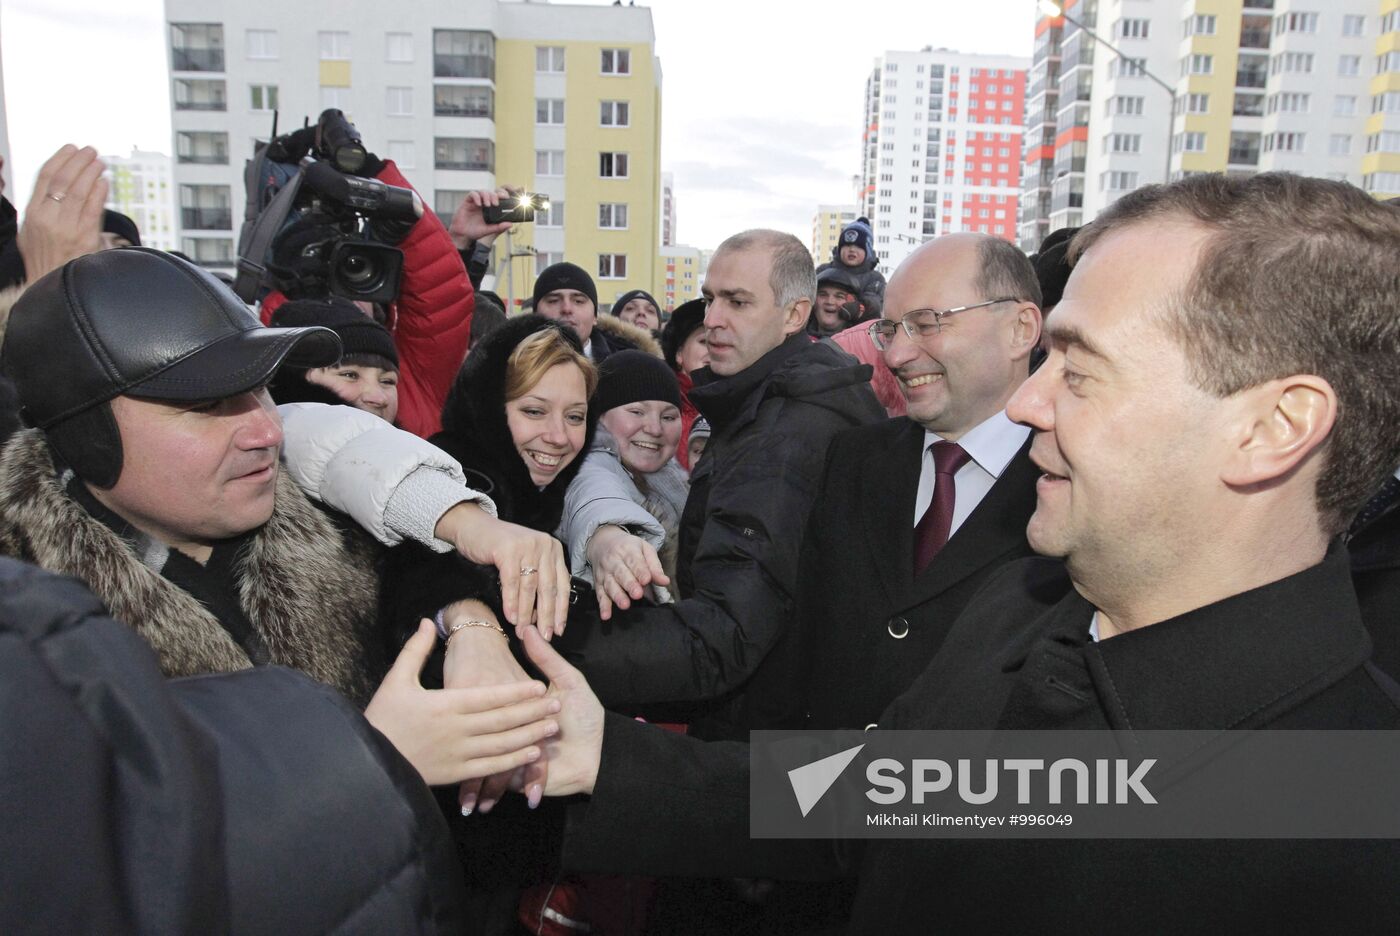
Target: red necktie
[[931, 532]]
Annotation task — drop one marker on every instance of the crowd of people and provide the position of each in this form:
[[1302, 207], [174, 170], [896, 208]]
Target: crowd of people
[[334, 616]]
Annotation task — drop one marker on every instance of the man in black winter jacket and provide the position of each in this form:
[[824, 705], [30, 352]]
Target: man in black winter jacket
[[774, 399]]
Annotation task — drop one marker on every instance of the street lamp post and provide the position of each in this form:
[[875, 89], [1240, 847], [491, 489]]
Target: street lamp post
[[1052, 9]]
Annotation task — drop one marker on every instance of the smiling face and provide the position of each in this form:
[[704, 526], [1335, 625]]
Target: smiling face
[[641, 313], [368, 388], [194, 474], [743, 318], [647, 433], [830, 299], [571, 307], [1124, 436], [548, 422], [963, 375]]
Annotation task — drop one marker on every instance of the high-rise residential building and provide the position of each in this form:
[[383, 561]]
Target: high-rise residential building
[[668, 210], [561, 99], [1185, 86], [826, 229], [6, 174], [942, 147], [682, 270], [142, 187]]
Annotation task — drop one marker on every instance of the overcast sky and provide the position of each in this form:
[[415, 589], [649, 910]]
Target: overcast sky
[[761, 100]]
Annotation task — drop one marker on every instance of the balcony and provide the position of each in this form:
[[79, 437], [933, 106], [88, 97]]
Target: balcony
[[1249, 105], [197, 60], [206, 219], [1244, 156], [1254, 39], [1251, 78]]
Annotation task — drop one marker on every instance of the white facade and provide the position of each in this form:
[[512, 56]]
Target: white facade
[[6, 176], [142, 187], [942, 147], [668, 210]]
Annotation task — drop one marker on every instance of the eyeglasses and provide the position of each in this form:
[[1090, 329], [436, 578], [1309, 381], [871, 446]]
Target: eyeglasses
[[922, 323]]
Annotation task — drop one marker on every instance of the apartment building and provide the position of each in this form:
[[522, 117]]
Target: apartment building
[[1173, 87], [682, 270], [826, 229], [668, 210], [142, 187], [561, 99], [942, 147]]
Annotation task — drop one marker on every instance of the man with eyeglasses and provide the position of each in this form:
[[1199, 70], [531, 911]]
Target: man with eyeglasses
[[914, 513]]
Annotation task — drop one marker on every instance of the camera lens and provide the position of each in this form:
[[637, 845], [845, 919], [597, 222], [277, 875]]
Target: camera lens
[[358, 270]]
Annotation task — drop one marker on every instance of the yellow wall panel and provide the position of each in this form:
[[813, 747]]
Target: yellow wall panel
[[335, 74]]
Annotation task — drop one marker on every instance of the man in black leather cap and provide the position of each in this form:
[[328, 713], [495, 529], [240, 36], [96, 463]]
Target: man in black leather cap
[[152, 474]]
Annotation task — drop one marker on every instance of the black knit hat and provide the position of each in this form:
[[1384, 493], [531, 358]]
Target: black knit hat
[[838, 277], [114, 222], [359, 334], [687, 317], [565, 276], [631, 376], [627, 297]]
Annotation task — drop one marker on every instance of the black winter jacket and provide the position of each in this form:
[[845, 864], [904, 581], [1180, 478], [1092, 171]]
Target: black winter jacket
[[254, 802], [739, 541]]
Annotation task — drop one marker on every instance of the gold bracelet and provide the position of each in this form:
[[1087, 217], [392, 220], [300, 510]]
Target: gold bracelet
[[456, 626]]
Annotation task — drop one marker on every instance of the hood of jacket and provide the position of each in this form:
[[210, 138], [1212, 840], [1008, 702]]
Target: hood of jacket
[[475, 432], [620, 334], [817, 373]]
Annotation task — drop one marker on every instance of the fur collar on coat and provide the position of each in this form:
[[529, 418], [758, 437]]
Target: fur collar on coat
[[306, 588]]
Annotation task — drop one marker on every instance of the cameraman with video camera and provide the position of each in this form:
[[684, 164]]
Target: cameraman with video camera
[[355, 228]]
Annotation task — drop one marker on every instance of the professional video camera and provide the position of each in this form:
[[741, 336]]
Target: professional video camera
[[314, 225]]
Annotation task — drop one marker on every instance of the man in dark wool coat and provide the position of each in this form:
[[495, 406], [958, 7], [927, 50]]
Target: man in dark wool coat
[[1218, 401]]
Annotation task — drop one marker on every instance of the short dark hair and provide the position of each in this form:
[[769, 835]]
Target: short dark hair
[[1003, 270], [1297, 276], [793, 276]]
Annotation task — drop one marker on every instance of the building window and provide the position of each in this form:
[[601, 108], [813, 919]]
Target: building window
[[205, 208], [1189, 143], [549, 162], [1122, 143], [1388, 62], [551, 216], [445, 203], [1198, 103], [1198, 25], [549, 111], [464, 53], [1123, 106], [337, 98], [1300, 63], [398, 47], [1117, 181], [1132, 28], [206, 94], [1295, 22], [612, 165], [545, 259], [612, 266], [334, 46], [1283, 142], [614, 114], [208, 251], [201, 147], [262, 43], [464, 153], [617, 62], [1353, 25], [197, 47], [1288, 103], [549, 58], [1349, 66], [463, 101], [398, 102], [612, 216], [1339, 144], [263, 97], [1344, 105], [402, 152], [1200, 65]]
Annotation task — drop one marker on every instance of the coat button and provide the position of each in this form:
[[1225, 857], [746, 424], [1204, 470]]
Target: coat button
[[871, 727], [898, 628]]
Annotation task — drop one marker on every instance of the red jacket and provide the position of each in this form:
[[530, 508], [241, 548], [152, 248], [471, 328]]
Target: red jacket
[[431, 322]]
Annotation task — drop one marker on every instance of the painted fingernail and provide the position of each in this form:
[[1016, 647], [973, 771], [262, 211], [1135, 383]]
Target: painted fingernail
[[486, 805], [536, 794], [468, 803]]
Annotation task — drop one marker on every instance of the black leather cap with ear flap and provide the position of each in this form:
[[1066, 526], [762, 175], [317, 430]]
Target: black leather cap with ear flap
[[91, 444]]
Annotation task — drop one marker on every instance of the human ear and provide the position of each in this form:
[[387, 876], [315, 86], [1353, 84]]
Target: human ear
[[1283, 422]]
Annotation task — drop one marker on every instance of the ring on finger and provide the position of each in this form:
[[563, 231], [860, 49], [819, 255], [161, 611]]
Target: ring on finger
[[57, 196], [528, 570]]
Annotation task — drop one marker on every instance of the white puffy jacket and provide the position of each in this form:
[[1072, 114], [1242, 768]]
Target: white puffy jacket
[[394, 484]]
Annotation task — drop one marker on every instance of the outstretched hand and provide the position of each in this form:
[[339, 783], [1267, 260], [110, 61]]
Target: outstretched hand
[[63, 219], [469, 225], [450, 735], [575, 752], [623, 566]]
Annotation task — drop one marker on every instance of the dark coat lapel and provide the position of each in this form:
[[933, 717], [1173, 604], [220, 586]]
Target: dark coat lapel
[[889, 483]]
